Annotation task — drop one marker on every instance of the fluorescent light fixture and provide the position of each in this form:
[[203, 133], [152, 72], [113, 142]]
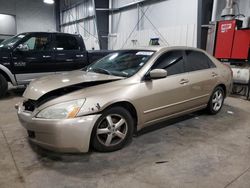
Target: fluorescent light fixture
[[49, 1]]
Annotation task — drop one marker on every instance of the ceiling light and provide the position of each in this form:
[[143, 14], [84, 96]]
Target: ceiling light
[[49, 1]]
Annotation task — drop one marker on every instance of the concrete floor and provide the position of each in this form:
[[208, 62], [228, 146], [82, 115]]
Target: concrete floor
[[195, 151]]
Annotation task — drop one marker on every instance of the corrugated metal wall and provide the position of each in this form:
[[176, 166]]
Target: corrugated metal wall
[[85, 27], [173, 21], [181, 35]]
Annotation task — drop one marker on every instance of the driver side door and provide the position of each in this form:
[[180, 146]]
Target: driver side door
[[33, 58], [165, 97]]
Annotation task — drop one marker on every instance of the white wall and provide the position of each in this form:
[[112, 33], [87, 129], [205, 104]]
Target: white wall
[[244, 7], [176, 20], [31, 15], [86, 28], [89, 33], [7, 24]]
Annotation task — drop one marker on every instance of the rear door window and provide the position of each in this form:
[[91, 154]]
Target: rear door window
[[171, 61], [64, 42], [197, 61]]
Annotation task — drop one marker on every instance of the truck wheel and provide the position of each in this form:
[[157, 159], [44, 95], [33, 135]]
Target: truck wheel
[[3, 86], [113, 130]]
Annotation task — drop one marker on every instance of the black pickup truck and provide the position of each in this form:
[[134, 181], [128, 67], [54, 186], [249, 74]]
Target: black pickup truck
[[31, 55]]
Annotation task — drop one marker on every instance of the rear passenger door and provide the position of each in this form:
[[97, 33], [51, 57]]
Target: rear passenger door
[[202, 75], [70, 54]]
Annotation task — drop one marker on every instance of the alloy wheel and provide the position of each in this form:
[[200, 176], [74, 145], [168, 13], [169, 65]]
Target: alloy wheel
[[112, 130], [217, 100]]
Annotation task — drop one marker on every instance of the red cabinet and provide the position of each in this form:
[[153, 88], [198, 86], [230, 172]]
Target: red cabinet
[[241, 44], [232, 43]]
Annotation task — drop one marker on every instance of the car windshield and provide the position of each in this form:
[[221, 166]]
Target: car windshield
[[123, 63], [11, 41]]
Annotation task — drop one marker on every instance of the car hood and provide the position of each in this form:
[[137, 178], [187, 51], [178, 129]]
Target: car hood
[[79, 79]]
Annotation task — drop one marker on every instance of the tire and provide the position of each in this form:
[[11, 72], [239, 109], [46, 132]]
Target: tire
[[216, 101], [3, 86], [108, 134]]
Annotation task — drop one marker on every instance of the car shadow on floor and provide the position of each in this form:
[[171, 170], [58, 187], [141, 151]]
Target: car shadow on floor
[[14, 92], [169, 122], [56, 156]]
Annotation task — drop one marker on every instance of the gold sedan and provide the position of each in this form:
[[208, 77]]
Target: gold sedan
[[105, 103]]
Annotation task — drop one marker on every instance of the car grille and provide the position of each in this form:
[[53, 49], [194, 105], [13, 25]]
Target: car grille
[[29, 105]]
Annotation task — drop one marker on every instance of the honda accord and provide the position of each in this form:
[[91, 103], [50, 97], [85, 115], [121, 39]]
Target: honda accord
[[105, 103]]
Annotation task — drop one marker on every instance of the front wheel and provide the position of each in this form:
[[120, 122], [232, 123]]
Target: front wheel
[[113, 130], [216, 100]]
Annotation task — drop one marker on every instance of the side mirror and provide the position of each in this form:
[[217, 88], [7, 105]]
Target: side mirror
[[23, 47], [157, 74]]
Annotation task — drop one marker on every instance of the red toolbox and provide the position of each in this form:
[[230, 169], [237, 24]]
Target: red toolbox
[[231, 41]]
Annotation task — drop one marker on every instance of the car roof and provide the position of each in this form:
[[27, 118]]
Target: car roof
[[164, 48]]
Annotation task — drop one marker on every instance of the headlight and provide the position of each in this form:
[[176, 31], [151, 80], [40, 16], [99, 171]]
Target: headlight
[[64, 110]]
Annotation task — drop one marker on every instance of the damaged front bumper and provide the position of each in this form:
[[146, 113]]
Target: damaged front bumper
[[63, 135]]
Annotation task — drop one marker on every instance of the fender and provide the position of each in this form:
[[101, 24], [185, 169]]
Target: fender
[[9, 74], [93, 107]]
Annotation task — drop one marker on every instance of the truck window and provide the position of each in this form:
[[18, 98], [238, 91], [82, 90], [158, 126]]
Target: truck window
[[64, 42], [38, 43]]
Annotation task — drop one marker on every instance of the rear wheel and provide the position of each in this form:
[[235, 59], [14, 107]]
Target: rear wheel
[[216, 100], [113, 130], [3, 86]]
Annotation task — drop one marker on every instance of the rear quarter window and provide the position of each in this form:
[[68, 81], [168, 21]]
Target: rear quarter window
[[197, 61]]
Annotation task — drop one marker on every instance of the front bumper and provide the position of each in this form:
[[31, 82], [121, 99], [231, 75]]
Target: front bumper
[[67, 135]]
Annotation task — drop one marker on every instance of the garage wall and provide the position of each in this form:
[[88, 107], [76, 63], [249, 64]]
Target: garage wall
[[72, 10], [30, 15], [244, 7], [7, 24], [175, 20]]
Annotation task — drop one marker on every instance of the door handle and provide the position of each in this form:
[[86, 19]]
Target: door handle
[[184, 81], [79, 55], [214, 74], [46, 56]]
